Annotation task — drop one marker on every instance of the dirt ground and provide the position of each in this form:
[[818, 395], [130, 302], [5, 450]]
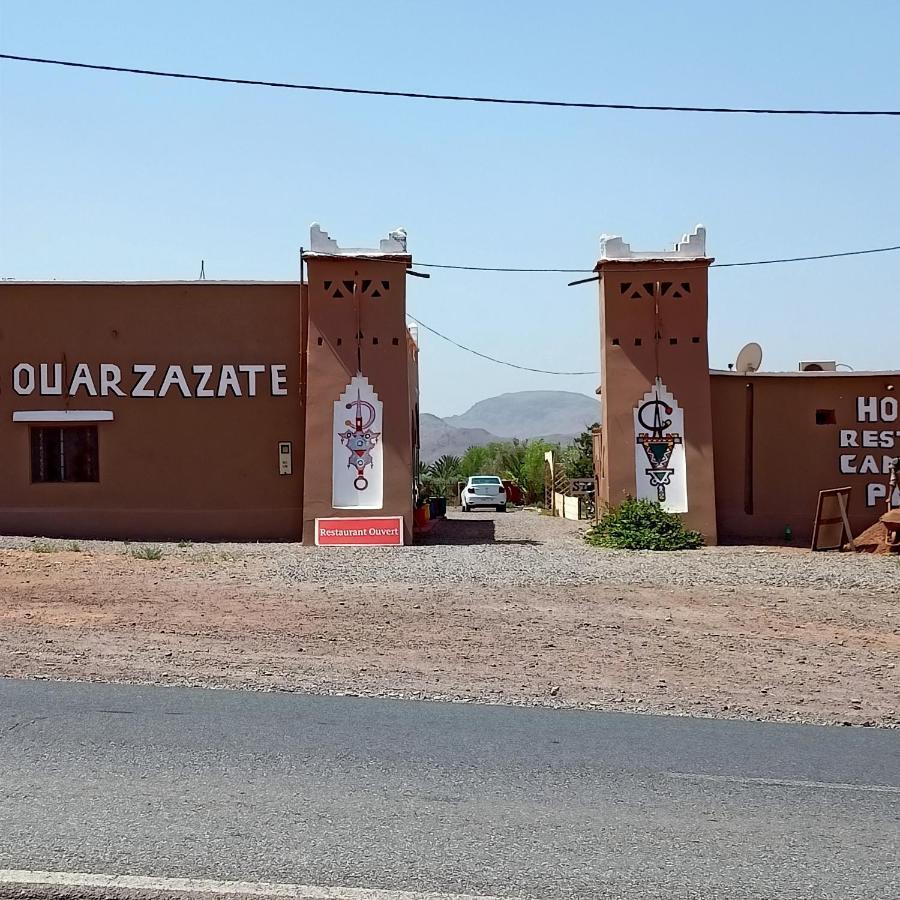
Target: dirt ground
[[229, 618]]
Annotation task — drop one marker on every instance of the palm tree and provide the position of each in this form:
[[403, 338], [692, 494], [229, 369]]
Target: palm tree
[[444, 467], [445, 473], [512, 461]]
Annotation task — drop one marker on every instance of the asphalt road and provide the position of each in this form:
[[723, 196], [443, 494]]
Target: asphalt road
[[427, 797]]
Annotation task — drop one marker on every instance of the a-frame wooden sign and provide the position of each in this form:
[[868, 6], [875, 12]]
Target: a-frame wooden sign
[[832, 526]]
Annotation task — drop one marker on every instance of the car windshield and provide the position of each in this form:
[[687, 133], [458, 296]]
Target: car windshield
[[486, 479]]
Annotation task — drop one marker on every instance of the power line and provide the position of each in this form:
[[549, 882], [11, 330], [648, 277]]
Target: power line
[[512, 365], [492, 359], [497, 268], [726, 265], [771, 262], [418, 95]]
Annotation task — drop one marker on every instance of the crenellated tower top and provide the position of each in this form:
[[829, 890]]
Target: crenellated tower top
[[691, 246]]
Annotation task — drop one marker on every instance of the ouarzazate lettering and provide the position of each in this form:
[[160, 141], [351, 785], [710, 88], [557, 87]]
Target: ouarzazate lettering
[[149, 380]]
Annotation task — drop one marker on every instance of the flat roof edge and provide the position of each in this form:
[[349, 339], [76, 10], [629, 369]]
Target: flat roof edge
[[196, 281], [890, 373]]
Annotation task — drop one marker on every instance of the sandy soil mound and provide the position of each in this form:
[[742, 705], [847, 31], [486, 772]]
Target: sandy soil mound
[[874, 539]]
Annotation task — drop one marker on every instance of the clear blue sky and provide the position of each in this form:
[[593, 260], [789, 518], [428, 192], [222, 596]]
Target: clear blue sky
[[120, 177]]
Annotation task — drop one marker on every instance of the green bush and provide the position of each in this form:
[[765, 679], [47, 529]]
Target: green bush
[[149, 553], [642, 525], [44, 547]]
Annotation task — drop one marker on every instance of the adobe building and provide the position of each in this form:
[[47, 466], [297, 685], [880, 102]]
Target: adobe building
[[741, 455], [212, 410]]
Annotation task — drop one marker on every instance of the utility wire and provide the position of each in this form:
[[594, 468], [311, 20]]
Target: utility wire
[[417, 95], [492, 359], [511, 365], [727, 265]]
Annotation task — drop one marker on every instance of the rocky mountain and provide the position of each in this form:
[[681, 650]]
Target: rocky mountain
[[531, 413], [556, 416], [438, 438]]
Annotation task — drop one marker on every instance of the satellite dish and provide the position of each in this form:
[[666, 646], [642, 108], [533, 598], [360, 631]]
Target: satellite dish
[[749, 359]]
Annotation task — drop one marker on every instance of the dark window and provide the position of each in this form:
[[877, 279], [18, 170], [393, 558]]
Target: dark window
[[825, 417], [64, 454], [638, 342]]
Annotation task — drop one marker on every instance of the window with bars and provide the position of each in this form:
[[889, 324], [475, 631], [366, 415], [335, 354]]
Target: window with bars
[[64, 454]]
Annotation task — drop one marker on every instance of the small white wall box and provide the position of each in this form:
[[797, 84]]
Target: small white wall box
[[818, 365], [285, 466]]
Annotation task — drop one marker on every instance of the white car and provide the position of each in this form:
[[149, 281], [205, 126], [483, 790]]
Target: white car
[[484, 490]]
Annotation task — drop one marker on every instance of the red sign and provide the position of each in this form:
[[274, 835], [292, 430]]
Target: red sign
[[386, 531]]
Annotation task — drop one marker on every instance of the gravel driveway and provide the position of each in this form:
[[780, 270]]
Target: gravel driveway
[[525, 548]]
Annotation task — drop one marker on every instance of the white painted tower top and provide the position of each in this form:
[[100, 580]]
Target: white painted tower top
[[691, 246], [321, 242]]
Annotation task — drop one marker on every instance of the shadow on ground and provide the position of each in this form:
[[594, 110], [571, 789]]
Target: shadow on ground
[[467, 531]]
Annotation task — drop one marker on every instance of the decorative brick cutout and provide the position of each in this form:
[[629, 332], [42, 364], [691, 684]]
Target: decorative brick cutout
[[375, 290]]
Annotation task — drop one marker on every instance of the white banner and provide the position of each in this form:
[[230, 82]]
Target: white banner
[[659, 458], [357, 456]]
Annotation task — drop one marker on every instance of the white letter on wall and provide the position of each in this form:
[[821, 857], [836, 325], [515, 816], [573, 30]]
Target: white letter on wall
[[228, 379], [26, 386], [110, 376], [174, 375], [205, 373], [888, 409], [251, 377], [46, 388], [847, 466], [869, 466], [866, 409], [279, 380], [146, 373], [82, 378]]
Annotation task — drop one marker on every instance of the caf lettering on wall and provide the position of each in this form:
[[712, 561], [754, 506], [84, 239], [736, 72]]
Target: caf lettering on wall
[[358, 453], [659, 458]]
